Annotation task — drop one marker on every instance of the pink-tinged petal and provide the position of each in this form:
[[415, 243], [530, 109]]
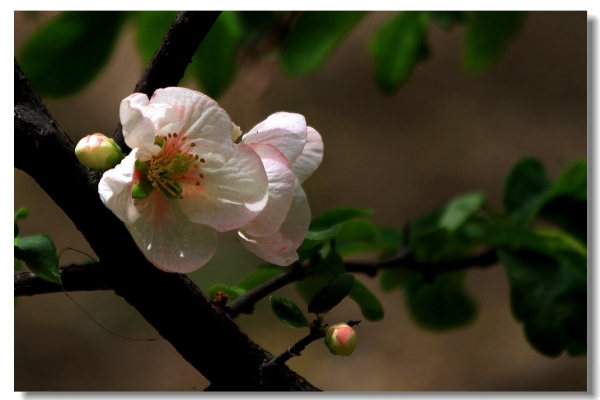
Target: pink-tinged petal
[[311, 156], [286, 131], [281, 190], [168, 239], [115, 189], [138, 128], [280, 248], [228, 197], [197, 118]]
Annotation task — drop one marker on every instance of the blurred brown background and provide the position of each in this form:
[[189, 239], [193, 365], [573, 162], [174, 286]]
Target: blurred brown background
[[442, 134]]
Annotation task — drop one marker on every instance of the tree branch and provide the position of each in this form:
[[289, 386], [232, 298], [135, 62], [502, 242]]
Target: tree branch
[[404, 259], [74, 278], [173, 56], [201, 332], [245, 303], [315, 334]]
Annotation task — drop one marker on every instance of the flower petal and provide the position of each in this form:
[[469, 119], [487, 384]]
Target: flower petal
[[168, 239], [228, 197], [197, 118], [115, 189], [280, 248], [281, 189], [138, 128], [286, 131], [311, 156]]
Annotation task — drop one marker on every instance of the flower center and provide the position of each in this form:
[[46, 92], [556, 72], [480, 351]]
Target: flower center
[[165, 170]]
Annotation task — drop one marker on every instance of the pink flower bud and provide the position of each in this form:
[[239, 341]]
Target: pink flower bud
[[98, 152], [341, 339]]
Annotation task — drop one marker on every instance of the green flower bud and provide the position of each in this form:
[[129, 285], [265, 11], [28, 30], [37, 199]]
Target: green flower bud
[[341, 339], [98, 152]]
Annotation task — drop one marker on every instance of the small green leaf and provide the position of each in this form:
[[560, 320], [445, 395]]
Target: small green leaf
[[39, 253], [21, 213], [319, 274], [215, 62], [16, 232], [231, 291], [331, 294], [261, 275], [441, 304], [359, 230], [550, 297], [386, 244], [391, 279], [314, 37], [448, 19], [397, 47], [337, 216], [370, 307], [572, 182], [323, 234], [460, 209], [288, 312], [68, 52], [525, 190], [488, 34], [151, 27]]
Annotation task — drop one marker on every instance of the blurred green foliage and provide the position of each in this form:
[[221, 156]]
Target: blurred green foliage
[[68, 52]]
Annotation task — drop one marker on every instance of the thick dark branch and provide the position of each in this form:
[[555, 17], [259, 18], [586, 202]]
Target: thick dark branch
[[173, 56], [201, 332], [245, 303], [75, 278]]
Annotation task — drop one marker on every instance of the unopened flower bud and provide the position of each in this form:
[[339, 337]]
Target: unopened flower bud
[[341, 339], [98, 152]]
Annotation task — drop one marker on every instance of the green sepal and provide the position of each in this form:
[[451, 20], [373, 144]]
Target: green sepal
[[141, 190]]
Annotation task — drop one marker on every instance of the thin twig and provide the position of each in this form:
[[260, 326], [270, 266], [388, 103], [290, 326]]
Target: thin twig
[[245, 303], [88, 277], [317, 332]]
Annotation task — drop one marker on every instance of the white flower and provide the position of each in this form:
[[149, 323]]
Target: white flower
[[184, 179], [290, 152]]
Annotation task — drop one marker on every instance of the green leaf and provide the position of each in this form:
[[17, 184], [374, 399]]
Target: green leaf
[[319, 274], [39, 253], [441, 304], [397, 47], [448, 19], [288, 312], [261, 275], [151, 27], [391, 279], [370, 307], [359, 230], [566, 204], [488, 34], [215, 62], [68, 52], [550, 297], [21, 213], [231, 291], [337, 216], [314, 37], [386, 244], [331, 294], [323, 234], [525, 190], [460, 209]]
